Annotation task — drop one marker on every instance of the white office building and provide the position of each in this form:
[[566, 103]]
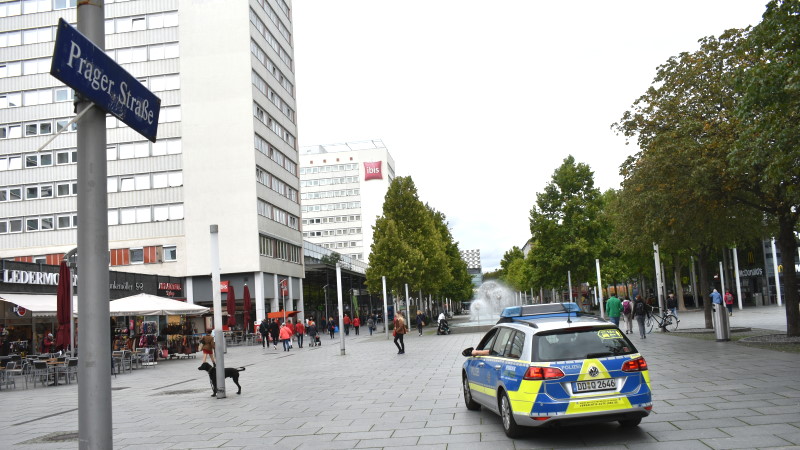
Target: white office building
[[226, 152], [342, 187]]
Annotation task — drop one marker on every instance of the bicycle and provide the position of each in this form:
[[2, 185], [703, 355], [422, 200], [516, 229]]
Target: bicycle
[[666, 321]]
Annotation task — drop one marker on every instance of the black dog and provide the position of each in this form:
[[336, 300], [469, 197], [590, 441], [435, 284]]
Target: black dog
[[230, 372]]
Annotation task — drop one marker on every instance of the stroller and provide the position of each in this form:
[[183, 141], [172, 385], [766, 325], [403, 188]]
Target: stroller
[[443, 327]]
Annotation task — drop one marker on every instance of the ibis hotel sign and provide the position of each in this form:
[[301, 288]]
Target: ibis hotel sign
[[86, 68]]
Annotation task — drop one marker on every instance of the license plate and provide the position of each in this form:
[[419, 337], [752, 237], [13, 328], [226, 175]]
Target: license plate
[[595, 385]]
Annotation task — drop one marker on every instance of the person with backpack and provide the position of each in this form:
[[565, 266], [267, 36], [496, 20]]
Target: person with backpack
[[627, 315], [729, 301], [640, 313], [263, 329]]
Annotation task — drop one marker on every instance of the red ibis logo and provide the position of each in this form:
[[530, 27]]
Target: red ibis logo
[[223, 286], [372, 171]]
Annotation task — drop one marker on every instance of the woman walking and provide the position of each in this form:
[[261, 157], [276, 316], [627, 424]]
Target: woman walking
[[207, 346], [640, 312], [400, 329], [370, 324], [420, 321]]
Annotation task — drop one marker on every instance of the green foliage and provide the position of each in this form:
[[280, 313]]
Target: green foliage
[[566, 229], [412, 245]]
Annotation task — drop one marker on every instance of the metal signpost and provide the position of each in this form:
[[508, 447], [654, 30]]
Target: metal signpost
[[80, 62]]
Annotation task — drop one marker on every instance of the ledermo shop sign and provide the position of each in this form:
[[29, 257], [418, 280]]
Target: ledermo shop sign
[[372, 171]]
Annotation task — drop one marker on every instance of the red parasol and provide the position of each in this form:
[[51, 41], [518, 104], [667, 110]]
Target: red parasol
[[63, 307], [231, 305], [247, 306]]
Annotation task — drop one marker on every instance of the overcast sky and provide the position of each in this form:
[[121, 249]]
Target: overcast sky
[[480, 101]]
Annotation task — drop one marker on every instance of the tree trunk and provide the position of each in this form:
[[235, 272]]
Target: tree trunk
[[702, 256], [676, 272], [788, 245]]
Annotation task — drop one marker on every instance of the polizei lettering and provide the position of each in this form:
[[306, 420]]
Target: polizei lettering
[[100, 81]]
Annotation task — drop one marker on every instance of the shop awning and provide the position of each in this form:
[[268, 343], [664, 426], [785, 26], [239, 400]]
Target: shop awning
[[40, 305], [152, 305]]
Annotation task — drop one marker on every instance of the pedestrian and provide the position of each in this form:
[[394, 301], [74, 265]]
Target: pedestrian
[[207, 346], [290, 325], [47, 343], [299, 330], [716, 298], [346, 321], [639, 313], [312, 332], [613, 309], [729, 301], [400, 329], [672, 304], [263, 329], [370, 324], [627, 315], [331, 327], [356, 324], [285, 336], [274, 332], [420, 321]]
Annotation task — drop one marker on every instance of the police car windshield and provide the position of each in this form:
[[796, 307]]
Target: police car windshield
[[564, 345]]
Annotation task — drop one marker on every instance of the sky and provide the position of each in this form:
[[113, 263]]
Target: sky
[[479, 102]]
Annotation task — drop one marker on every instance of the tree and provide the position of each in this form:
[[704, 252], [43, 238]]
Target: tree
[[406, 246], [677, 185], [566, 233], [764, 161], [458, 284]]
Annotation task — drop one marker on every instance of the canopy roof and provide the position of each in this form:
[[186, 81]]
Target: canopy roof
[[281, 314], [40, 305], [152, 305]]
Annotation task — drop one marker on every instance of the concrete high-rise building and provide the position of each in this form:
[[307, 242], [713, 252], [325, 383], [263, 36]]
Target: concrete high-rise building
[[342, 187], [474, 268], [226, 152]]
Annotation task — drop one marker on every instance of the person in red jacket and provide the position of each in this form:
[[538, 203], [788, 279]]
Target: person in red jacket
[[347, 322], [299, 330], [290, 325], [286, 337], [356, 324]]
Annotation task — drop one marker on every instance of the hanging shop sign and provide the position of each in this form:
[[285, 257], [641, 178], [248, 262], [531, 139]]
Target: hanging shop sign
[[170, 290], [20, 311]]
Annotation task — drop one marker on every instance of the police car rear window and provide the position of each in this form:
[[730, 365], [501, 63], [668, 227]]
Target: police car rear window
[[585, 343]]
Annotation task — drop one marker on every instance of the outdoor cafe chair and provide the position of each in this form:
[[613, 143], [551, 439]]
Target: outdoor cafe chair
[[9, 374], [40, 373], [68, 370]]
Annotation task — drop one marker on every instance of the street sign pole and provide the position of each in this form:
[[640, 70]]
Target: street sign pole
[[94, 339]]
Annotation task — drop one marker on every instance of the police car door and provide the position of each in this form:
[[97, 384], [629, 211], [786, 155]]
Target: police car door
[[476, 371], [494, 364]]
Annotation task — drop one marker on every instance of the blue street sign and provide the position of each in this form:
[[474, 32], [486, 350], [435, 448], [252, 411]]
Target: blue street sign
[[86, 68]]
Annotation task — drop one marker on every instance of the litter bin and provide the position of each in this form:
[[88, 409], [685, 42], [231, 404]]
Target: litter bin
[[759, 299], [721, 326]]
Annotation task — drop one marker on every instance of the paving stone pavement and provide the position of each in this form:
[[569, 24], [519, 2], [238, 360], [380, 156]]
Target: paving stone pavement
[[707, 395]]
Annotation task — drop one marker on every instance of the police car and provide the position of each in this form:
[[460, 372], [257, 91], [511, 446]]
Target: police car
[[550, 365]]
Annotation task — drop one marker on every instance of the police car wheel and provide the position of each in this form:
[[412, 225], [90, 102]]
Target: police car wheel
[[509, 425], [472, 405], [630, 423]]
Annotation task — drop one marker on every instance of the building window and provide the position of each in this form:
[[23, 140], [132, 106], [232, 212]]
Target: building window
[[170, 253], [137, 255]]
